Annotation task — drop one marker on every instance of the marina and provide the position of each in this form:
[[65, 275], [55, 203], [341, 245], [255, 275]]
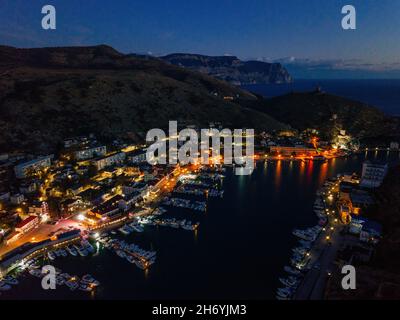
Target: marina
[[210, 245]]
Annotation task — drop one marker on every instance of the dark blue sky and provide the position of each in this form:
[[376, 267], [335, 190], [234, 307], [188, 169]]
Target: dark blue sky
[[269, 29]]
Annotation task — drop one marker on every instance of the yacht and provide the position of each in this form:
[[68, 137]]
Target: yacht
[[72, 285], [82, 251], [121, 254], [124, 230], [72, 251], [300, 250], [291, 270], [85, 287], [141, 265], [136, 227], [289, 282], [60, 280], [36, 273], [87, 278], [130, 259], [4, 286], [305, 244], [88, 246], [66, 276], [10, 280], [305, 235], [51, 255], [284, 293]]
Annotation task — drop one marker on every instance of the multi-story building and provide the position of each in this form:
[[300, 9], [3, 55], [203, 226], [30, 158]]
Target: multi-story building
[[27, 187], [90, 152], [22, 170], [137, 156], [17, 198], [27, 224], [373, 174], [394, 145], [109, 207], [110, 160]]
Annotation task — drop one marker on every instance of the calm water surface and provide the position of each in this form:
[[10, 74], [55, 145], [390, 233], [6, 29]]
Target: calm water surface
[[239, 251]]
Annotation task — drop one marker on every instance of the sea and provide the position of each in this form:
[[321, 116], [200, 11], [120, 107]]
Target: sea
[[239, 251], [381, 93]]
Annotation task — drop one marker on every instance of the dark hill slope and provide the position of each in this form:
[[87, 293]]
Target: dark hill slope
[[47, 94], [330, 113]]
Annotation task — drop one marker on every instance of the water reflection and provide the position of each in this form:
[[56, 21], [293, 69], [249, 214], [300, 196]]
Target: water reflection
[[278, 174], [310, 166], [323, 173], [301, 171]]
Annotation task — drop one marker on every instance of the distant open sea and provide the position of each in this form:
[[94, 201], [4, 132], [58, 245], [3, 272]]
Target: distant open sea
[[381, 93]]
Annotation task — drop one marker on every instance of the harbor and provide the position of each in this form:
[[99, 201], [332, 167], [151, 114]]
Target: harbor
[[237, 221]]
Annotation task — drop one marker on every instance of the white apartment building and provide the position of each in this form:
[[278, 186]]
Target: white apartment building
[[22, 170], [373, 174], [89, 153], [111, 160]]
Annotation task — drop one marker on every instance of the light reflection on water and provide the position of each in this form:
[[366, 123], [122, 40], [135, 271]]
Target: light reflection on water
[[253, 222]]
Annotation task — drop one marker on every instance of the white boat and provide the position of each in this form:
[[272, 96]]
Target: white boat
[[60, 280], [10, 280], [72, 251], [121, 254], [4, 286], [141, 265], [136, 227], [36, 273], [51, 255], [85, 287], [72, 285], [300, 250], [130, 259], [124, 230], [66, 276], [286, 291], [87, 278], [82, 251], [306, 244], [88, 246], [304, 235], [291, 270]]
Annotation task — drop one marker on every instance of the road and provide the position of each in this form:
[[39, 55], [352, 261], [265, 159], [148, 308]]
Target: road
[[45, 231], [324, 253], [40, 233]]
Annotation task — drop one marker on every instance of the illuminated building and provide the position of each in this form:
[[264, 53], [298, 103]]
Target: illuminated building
[[373, 174]]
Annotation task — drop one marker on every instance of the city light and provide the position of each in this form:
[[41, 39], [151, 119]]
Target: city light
[[81, 217]]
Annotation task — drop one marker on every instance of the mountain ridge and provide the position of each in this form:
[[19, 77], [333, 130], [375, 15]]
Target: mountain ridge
[[231, 68], [47, 94]]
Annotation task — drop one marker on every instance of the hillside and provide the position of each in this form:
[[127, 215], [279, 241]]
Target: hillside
[[329, 113], [47, 94], [231, 69]]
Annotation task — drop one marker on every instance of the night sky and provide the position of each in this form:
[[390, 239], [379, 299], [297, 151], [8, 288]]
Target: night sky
[[252, 29]]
